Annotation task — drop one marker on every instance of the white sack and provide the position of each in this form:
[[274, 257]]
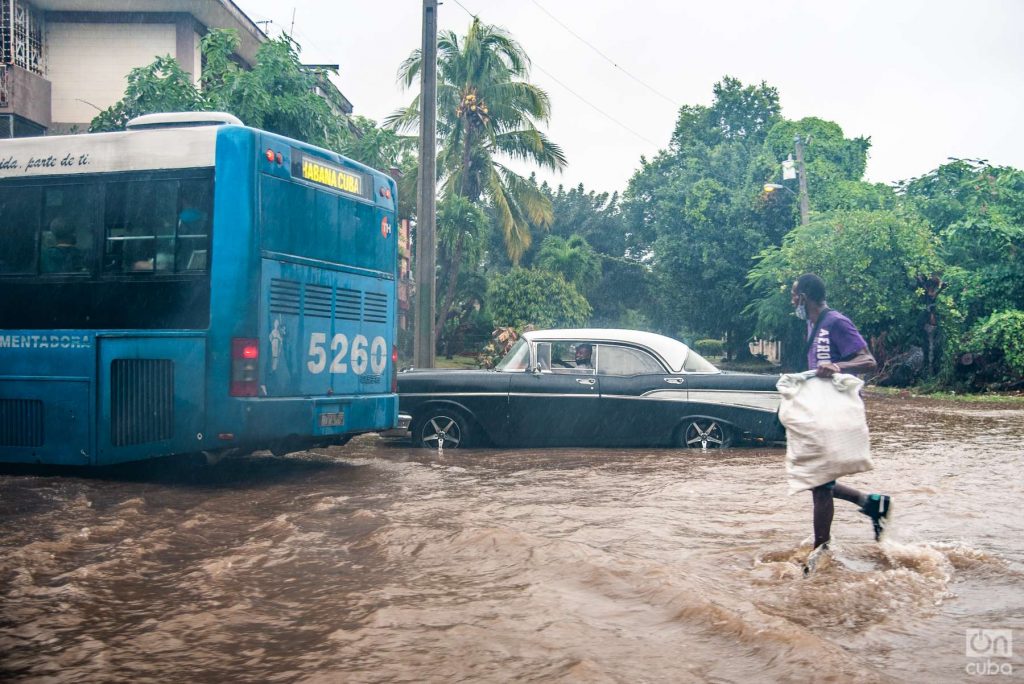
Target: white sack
[[826, 428]]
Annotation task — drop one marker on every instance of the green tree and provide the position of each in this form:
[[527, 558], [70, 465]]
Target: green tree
[[977, 212], [574, 259], [384, 149], [696, 214], [621, 296], [1001, 333], [596, 217], [277, 94], [835, 166], [462, 230], [487, 112], [162, 86], [377, 147], [869, 260], [526, 296]]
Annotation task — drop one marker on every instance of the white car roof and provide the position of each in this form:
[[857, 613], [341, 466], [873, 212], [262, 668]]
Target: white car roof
[[673, 352]]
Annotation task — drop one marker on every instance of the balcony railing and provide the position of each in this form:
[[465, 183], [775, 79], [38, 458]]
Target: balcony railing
[[5, 85]]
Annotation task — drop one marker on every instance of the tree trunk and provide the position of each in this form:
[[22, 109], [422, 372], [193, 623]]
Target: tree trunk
[[449, 294], [456, 262]]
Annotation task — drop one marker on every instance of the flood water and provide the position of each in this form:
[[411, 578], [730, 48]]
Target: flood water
[[380, 563]]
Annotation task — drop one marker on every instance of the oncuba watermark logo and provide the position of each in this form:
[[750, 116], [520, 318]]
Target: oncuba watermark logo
[[988, 649]]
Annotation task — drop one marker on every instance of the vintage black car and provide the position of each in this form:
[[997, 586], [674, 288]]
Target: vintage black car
[[591, 387]]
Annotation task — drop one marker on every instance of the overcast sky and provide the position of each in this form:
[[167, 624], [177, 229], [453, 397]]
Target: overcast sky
[[924, 79]]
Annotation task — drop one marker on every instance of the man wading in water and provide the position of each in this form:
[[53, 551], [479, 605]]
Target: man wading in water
[[834, 345]]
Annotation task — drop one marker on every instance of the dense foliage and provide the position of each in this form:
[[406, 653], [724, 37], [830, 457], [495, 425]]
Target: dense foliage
[[977, 212], [697, 215], [525, 296], [870, 261], [1001, 333], [277, 94]]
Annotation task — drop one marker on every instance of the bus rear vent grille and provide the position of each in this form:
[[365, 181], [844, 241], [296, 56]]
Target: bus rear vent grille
[[284, 296], [349, 303], [21, 423], [376, 308], [318, 301], [141, 400]]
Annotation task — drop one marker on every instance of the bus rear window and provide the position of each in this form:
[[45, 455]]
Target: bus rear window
[[19, 229], [106, 226], [119, 251], [159, 225]]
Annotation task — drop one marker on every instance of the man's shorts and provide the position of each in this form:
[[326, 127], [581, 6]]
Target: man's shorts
[[827, 485]]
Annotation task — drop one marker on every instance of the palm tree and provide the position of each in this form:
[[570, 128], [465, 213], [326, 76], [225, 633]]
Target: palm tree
[[574, 258], [486, 111]]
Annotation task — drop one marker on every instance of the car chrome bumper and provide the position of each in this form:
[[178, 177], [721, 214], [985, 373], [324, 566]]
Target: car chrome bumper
[[402, 430]]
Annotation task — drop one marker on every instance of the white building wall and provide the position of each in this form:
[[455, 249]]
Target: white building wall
[[198, 62], [91, 62]]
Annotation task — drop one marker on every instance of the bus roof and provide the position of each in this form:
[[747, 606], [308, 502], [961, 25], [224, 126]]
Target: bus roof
[[165, 148], [146, 149]]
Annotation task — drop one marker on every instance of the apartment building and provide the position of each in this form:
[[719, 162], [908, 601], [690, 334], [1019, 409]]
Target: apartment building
[[64, 61]]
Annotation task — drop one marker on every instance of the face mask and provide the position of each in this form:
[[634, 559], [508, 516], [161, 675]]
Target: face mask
[[801, 311]]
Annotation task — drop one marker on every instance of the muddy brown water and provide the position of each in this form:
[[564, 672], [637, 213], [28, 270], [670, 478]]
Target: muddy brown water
[[379, 563]]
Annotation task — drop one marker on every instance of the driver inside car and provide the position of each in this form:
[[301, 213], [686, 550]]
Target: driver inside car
[[584, 356]]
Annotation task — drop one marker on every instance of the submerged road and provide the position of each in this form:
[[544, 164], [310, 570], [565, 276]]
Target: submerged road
[[379, 563]]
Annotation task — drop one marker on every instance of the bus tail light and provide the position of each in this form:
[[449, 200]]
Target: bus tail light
[[245, 356], [394, 369]]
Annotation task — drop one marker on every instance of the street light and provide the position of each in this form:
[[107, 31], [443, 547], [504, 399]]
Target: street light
[[772, 187], [769, 188]]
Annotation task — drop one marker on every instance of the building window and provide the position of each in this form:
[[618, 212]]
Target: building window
[[21, 35], [13, 126]]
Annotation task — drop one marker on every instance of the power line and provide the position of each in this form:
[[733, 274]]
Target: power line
[[466, 10], [292, 33], [595, 107], [574, 93], [606, 57]]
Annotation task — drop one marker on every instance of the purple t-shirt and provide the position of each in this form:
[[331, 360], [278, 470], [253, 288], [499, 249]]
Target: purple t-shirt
[[838, 339]]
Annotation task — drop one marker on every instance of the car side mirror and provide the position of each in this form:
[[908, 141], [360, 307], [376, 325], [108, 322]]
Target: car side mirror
[[536, 369]]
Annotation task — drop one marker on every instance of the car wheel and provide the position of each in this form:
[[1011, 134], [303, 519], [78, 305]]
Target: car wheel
[[704, 433], [442, 424]]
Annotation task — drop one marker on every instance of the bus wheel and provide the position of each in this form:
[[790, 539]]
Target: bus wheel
[[442, 427], [212, 458], [288, 445]]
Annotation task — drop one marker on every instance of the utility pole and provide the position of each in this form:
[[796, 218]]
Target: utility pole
[[802, 173], [426, 204]]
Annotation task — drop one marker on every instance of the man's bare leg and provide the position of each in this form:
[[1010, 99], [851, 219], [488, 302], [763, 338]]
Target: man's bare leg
[[824, 509]]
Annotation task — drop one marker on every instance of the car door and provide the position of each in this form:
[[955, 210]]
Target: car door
[[640, 400], [556, 403]]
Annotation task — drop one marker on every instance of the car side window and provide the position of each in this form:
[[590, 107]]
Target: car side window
[[544, 355], [626, 361], [573, 357]]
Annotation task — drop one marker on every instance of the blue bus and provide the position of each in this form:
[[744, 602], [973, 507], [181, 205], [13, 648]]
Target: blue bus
[[191, 285]]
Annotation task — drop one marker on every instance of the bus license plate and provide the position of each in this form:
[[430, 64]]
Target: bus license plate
[[332, 419]]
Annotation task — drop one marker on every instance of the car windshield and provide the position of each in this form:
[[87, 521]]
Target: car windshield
[[517, 359], [695, 363]]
